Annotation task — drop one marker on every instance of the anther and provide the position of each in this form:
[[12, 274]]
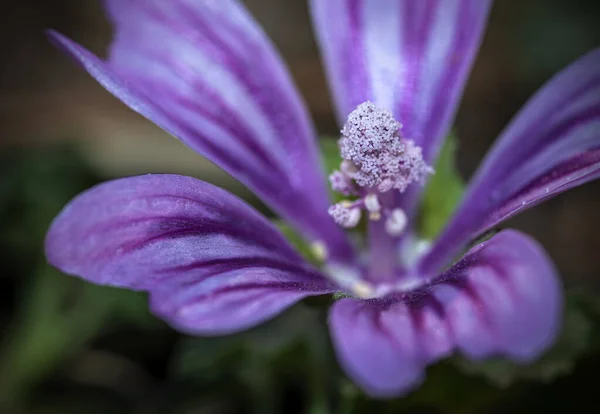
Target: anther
[[375, 159], [372, 203], [319, 250], [345, 214], [375, 216], [362, 290], [373, 206], [396, 222], [342, 183]]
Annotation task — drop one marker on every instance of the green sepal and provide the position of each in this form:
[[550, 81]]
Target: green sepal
[[442, 193], [330, 154]]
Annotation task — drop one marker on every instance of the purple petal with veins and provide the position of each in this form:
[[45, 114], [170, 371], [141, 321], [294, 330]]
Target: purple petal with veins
[[206, 73], [503, 298], [552, 145], [211, 263], [410, 57]]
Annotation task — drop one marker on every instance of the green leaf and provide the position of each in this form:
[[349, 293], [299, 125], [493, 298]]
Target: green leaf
[[444, 390], [330, 153], [443, 192], [291, 349], [59, 315], [196, 356], [574, 341]]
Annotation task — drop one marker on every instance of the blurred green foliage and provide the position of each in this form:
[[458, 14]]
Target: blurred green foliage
[[442, 193], [56, 315]]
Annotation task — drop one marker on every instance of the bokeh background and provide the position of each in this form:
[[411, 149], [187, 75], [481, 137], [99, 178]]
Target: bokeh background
[[67, 347]]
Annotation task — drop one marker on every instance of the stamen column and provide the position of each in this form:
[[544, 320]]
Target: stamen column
[[377, 162]]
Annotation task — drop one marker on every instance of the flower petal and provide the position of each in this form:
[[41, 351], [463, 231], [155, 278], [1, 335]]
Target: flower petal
[[205, 72], [551, 146], [411, 57], [238, 300], [376, 344], [211, 263], [503, 298]]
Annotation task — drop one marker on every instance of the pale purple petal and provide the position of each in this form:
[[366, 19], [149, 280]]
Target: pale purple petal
[[205, 72], [211, 263], [377, 345], [411, 57], [551, 146], [234, 300], [502, 299]]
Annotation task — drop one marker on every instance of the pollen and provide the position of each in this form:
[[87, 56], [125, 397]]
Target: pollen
[[362, 290], [374, 153], [396, 222], [319, 250], [376, 159], [372, 203], [345, 214], [342, 183]]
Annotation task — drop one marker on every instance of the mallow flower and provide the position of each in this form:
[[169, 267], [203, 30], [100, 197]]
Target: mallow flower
[[204, 71]]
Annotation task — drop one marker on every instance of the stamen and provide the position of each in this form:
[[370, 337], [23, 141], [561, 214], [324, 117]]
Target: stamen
[[374, 153], [375, 216], [362, 290], [373, 206], [345, 214], [396, 222], [372, 203], [342, 183], [319, 251], [377, 161], [350, 279], [347, 167]]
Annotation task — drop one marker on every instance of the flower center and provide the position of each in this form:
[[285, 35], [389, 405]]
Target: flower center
[[377, 162]]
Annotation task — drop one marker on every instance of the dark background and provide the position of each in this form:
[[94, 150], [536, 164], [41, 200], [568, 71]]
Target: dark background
[[60, 132]]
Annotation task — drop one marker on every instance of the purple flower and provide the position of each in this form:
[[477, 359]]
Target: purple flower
[[204, 71]]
